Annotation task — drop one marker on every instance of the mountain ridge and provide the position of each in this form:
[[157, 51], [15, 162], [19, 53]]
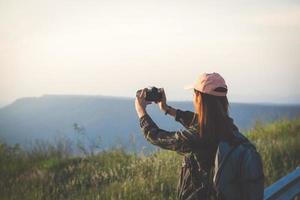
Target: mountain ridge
[[112, 118]]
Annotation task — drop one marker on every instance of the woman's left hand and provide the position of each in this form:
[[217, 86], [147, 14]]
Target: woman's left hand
[[141, 104]]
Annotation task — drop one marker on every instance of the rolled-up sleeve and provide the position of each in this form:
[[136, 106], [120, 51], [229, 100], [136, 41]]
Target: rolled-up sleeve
[[186, 118], [180, 141]]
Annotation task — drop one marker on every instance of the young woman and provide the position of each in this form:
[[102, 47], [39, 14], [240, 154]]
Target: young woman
[[218, 161]]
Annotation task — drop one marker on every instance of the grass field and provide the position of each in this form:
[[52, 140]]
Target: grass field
[[51, 172]]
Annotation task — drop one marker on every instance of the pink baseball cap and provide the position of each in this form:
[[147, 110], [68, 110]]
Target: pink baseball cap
[[208, 83]]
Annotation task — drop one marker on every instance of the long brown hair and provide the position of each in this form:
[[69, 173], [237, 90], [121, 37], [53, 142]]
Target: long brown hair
[[213, 118]]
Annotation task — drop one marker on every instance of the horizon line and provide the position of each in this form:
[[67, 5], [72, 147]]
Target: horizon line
[[128, 97]]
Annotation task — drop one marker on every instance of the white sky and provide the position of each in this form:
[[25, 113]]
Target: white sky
[[116, 47]]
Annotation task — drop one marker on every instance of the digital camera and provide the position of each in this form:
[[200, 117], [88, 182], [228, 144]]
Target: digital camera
[[152, 94]]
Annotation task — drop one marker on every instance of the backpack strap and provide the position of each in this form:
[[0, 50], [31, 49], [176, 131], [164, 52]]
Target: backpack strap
[[212, 193]]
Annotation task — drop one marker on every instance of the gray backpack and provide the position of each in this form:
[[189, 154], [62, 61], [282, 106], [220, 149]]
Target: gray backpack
[[237, 172]]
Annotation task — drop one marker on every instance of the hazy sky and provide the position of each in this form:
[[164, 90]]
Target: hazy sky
[[116, 47]]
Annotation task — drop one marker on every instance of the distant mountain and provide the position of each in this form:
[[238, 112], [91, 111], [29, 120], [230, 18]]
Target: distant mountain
[[113, 119]]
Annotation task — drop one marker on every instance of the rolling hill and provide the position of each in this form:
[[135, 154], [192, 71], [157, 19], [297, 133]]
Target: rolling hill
[[113, 119]]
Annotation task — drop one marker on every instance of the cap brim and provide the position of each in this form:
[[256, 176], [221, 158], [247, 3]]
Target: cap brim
[[189, 87]]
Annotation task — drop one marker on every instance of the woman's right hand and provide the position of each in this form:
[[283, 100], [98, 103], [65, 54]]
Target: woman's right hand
[[141, 103]]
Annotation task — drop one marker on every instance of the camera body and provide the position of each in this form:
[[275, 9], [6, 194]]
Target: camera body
[[152, 94]]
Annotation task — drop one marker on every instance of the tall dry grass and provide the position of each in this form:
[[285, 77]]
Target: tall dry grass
[[51, 172]]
